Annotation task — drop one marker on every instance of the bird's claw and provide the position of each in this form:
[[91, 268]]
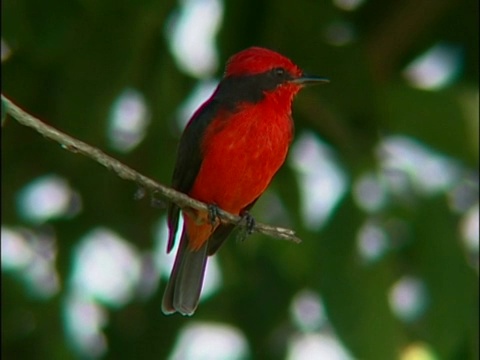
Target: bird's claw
[[249, 222], [213, 214]]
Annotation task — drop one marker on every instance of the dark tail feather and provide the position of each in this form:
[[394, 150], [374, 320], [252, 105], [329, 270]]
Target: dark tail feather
[[185, 284], [218, 237]]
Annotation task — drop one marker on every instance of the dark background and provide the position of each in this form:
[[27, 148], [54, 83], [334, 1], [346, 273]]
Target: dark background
[[69, 61]]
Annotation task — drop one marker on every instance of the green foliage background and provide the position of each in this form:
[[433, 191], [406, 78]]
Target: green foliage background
[[71, 59]]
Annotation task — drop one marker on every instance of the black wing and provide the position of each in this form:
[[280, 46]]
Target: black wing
[[189, 159], [230, 92]]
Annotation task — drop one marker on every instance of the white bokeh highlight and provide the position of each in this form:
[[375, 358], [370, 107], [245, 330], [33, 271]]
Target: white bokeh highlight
[[322, 182], [191, 34], [212, 341]]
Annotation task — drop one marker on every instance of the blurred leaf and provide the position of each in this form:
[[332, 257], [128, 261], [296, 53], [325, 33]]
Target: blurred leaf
[[429, 115], [440, 260], [356, 293]]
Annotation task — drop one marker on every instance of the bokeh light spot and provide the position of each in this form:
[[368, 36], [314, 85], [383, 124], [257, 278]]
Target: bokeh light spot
[[322, 182], [16, 252], [129, 118], [408, 298], [469, 228], [418, 351], [210, 341], [409, 165], [31, 255], [369, 192], [191, 34], [317, 346], [307, 311], [372, 242], [106, 267], [84, 319], [436, 68], [47, 197], [348, 5]]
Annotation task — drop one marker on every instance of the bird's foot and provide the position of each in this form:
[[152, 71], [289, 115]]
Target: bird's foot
[[247, 224], [213, 214]]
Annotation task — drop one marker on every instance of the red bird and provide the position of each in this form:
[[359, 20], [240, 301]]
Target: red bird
[[229, 152]]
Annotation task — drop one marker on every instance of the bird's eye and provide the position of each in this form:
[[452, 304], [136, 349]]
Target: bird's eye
[[280, 72]]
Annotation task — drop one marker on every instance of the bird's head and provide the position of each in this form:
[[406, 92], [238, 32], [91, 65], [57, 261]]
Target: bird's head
[[257, 60], [274, 73]]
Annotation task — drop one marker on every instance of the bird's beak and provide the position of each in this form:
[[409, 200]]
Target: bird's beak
[[309, 80]]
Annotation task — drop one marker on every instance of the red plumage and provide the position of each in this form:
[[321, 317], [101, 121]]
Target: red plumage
[[228, 154]]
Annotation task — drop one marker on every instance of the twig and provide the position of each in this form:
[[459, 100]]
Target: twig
[[183, 201]]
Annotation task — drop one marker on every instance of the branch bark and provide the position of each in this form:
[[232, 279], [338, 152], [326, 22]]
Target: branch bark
[[123, 171]]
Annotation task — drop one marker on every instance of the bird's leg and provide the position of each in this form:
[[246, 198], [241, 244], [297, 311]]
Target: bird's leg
[[213, 214], [249, 222], [202, 217], [246, 230]]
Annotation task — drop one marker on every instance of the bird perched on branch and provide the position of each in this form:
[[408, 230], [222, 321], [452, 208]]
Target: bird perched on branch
[[229, 152]]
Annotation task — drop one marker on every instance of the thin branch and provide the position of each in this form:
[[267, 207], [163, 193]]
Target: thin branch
[[183, 201]]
